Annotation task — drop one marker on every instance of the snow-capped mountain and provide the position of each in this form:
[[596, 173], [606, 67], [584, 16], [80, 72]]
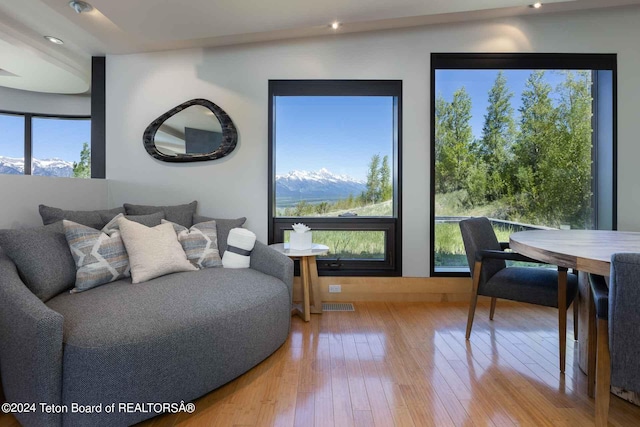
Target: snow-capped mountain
[[322, 184], [46, 167]]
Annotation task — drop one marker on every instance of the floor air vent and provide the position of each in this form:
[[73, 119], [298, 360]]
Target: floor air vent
[[337, 306]]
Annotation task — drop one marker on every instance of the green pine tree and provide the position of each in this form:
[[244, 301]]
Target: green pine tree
[[498, 136], [453, 141], [83, 168], [386, 187], [372, 192]]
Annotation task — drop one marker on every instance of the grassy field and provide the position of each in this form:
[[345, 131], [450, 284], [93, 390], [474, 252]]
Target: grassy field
[[449, 248], [350, 244]]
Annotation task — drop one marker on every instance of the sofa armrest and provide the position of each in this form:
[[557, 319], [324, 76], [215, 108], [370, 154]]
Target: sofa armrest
[[273, 263], [30, 348]]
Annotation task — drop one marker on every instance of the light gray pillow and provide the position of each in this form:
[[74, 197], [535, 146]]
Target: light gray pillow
[[224, 226], [42, 257], [180, 214], [94, 219], [153, 251]]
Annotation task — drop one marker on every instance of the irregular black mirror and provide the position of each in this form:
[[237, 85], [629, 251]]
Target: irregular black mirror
[[194, 131]]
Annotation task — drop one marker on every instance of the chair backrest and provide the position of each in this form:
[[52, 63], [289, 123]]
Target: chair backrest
[[477, 235], [624, 320]]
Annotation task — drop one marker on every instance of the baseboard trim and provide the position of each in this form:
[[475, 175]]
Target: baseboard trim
[[392, 289]]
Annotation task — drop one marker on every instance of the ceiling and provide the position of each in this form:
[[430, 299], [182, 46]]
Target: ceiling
[[29, 62]]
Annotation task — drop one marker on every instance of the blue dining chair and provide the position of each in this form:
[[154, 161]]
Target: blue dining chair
[[614, 343], [491, 277]]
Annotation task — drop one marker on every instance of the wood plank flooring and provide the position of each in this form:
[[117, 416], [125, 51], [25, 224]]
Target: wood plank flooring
[[408, 364]]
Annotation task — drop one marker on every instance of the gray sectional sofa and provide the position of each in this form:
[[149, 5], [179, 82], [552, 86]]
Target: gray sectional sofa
[[167, 340]]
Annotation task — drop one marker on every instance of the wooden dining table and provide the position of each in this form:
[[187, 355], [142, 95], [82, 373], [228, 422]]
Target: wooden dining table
[[587, 251]]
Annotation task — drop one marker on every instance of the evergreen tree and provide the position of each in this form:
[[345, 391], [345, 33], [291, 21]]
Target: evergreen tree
[[453, 141], [372, 192], [83, 168], [498, 136], [386, 188], [535, 149], [573, 160]]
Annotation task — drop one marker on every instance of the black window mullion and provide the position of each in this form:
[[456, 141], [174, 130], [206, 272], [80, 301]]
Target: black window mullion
[[28, 143]]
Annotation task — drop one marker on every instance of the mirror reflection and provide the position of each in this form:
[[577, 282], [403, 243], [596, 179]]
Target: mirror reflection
[[194, 130]]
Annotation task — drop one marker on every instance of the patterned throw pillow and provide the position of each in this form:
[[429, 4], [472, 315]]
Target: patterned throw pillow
[[100, 258], [200, 243]]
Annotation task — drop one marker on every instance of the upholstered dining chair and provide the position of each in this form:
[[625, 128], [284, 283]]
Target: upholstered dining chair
[[491, 277], [615, 341]]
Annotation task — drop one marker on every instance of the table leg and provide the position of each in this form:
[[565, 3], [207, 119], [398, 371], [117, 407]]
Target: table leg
[[316, 301], [562, 315], [591, 354], [305, 279]]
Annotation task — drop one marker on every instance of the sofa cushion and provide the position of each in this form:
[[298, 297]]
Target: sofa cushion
[[94, 219], [118, 313], [42, 257], [174, 338], [100, 258], [200, 243], [153, 251], [224, 226], [180, 214]]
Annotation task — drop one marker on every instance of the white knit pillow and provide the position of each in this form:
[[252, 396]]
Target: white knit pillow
[[153, 251], [240, 243]]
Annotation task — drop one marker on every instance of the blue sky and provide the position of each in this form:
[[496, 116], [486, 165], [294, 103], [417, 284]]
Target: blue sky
[[57, 138], [333, 132], [478, 83]]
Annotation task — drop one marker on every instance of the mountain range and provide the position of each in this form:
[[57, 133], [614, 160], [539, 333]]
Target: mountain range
[[315, 186], [46, 167]]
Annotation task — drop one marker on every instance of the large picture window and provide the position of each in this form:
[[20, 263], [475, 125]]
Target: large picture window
[[526, 140], [335, 166], [43, 145]]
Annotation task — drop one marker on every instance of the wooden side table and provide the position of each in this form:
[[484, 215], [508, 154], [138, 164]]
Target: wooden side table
[[309, 277]]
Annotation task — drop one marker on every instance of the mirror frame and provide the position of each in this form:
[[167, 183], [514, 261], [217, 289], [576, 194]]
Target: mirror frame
[[229, 134]]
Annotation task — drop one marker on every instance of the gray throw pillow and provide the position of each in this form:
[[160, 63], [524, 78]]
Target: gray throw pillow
[[224, 226], [94, 219], [180, 214], [42, 257], [150, 220]]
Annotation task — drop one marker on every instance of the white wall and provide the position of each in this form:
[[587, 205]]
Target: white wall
[[44, 103], [21, 195], [141, 87]]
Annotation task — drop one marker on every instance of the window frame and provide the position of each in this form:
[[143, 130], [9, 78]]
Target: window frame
[[28, 133], [392, 226], [525, 61]]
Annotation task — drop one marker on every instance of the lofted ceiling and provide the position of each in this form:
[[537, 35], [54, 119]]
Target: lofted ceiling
[[29, 62]]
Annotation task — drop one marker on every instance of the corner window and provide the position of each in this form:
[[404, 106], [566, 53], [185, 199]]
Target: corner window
[[526, 140], [32, 144], [335, 166]]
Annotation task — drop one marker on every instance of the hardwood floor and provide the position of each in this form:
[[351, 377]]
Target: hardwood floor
[[408, 364]]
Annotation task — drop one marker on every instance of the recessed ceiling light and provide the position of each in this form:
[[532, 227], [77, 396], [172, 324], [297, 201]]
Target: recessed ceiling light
[[335, 25], [80, 6], [54, 39], [536, 5]]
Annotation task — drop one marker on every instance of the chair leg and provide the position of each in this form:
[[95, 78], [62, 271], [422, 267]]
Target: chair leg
[[562, 315], [576, 314], [493, 308], [603, 374], [474, 297], [592, 340]]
